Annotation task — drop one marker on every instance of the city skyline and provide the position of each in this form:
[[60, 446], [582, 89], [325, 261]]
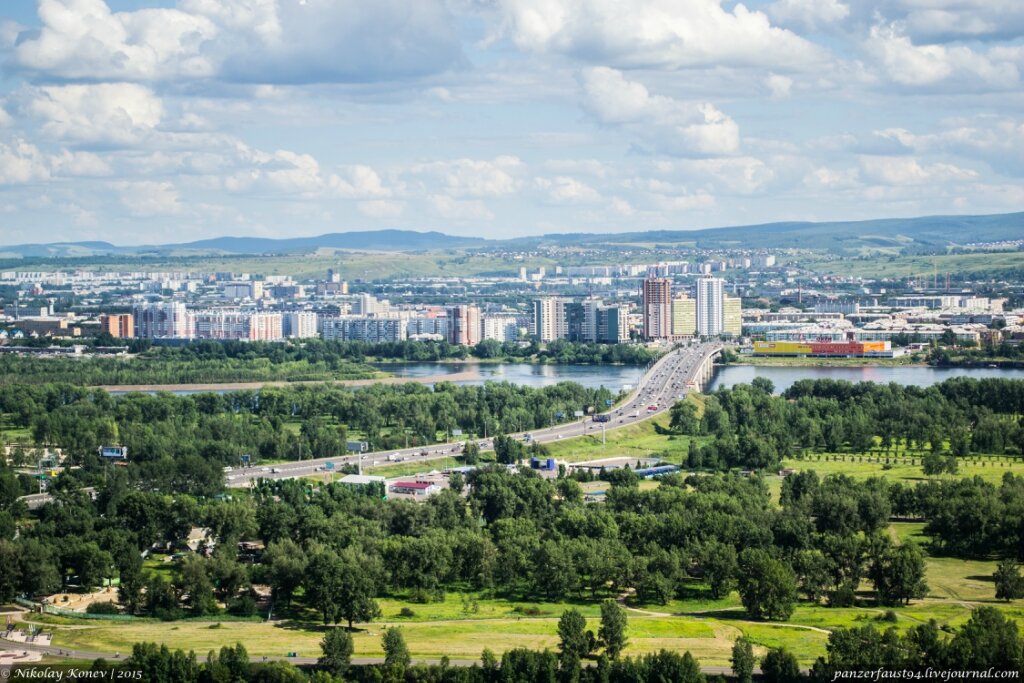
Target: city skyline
[[148, 122]]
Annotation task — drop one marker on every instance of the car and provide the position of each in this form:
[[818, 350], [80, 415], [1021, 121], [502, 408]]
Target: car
[[652, 407], [228, 469]]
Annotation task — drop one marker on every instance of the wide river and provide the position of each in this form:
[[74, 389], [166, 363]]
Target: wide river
[[784, 377], [615, 377]]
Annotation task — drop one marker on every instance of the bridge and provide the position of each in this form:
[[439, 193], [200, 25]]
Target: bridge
[[684, 369]]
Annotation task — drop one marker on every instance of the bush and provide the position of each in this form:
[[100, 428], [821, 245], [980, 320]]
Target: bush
[[242, 606], [102, 608], [844, 596], [406, 612]]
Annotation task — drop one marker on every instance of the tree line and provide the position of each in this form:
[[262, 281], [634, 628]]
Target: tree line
[[293, 361], [753, 429]]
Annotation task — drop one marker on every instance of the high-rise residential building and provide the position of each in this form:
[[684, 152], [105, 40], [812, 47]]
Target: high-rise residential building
[[549, 322], [612, 324], [372, 330], [252, 289], [236, 324], [732, 317], [367, 304], [120, 325], [300, 324], [333, 276], [162, 320], [503, 327], [464, 325], [710, 306], [657, 308], [684, 316]]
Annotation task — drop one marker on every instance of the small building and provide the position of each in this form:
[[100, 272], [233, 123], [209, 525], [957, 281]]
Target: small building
[[415, 488], [360, 479]]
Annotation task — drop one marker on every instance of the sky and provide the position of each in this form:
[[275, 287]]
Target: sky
[[139, 122]]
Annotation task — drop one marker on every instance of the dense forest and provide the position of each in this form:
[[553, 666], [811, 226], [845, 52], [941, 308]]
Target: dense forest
[[331, 549], [305, 360], [178, 444]]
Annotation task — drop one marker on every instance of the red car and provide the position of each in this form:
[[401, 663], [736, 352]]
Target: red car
[[652, 408]]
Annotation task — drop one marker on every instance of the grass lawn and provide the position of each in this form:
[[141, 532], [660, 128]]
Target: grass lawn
[[636, 440]]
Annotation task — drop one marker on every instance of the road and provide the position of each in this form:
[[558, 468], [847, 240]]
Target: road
[[664, 383]]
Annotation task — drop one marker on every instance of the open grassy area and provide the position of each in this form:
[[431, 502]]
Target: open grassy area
[[637, 440], [989, 468]]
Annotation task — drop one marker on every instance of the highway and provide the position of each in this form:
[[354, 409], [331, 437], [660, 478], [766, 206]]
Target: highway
[[664, 383]]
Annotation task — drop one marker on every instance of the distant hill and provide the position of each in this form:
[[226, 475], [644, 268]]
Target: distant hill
[[371, 240], [906, 235]]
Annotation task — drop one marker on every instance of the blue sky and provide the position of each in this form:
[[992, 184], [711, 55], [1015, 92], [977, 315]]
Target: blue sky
[[144, 122]]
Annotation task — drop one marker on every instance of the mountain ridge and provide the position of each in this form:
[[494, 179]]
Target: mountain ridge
[[842, 236]]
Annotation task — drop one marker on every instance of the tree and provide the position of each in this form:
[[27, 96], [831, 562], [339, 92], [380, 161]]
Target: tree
[[684, 418], [898, 573], [286, 566], [573, 641], [337, 651], [1009, 583], [471, 453], [323, 585], [613, 628], [719, 564], [456, 482], [194, 583], [743, 660], [780, 666], [395, 651], [767, 586]]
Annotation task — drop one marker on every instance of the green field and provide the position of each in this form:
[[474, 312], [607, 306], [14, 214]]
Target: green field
[[989, 468], [639, 440]]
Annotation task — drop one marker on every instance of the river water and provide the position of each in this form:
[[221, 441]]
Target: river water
[[614, 377], [784, 377]]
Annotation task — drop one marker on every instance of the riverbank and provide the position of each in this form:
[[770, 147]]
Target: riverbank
[[465, 376]]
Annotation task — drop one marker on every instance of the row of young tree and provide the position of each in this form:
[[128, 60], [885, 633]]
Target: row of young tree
[[753, 429]]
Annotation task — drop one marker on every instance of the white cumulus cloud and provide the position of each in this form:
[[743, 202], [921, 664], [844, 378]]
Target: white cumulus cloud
[[654, 33], [119, 113], [661, 123]]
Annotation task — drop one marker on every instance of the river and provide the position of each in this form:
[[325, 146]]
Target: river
[[618, 377], [784, 376], [613, 377]]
